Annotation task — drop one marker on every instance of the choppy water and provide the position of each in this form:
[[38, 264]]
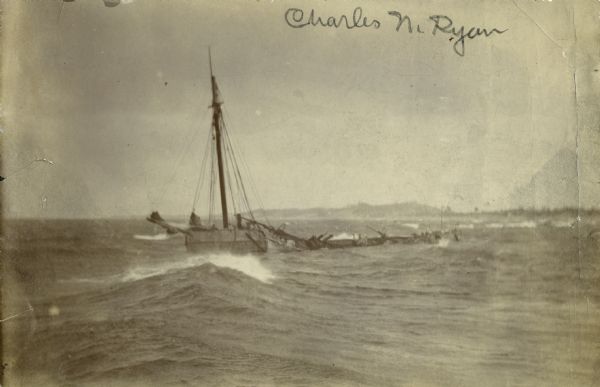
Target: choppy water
[[516, 305]]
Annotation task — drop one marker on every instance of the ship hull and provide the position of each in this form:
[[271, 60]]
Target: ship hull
[[235, 241]]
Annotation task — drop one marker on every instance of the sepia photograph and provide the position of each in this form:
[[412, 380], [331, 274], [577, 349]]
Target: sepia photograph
[[300, 193]]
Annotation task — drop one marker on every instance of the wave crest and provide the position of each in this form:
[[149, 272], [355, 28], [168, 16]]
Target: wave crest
[[248, 264]]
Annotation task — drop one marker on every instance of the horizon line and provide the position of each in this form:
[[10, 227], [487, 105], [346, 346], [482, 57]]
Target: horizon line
[[531, 210]]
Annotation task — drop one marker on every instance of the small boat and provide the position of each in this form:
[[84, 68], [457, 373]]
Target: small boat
[[243, 237]]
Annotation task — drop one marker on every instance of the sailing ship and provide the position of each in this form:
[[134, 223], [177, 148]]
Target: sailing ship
[[247, 235], [242, 237]]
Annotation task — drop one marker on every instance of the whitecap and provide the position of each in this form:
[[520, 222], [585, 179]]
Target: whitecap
[[248, 264], [157, 237]]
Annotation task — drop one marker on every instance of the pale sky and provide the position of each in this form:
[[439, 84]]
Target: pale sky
[[325, 117]]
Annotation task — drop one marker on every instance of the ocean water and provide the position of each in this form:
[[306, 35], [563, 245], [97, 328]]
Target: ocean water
[[112, 303]]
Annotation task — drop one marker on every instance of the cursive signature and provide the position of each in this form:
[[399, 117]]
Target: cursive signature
[[444, 24], [295, 18]]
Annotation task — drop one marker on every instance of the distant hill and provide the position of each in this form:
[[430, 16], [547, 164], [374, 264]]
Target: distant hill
[[554, 185], [359, 211]]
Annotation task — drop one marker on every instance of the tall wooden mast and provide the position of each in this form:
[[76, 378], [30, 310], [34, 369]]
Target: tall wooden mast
[[216, 121]]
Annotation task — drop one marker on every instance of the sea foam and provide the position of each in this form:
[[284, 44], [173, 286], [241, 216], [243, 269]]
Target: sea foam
[[157, 237], [248, 264]]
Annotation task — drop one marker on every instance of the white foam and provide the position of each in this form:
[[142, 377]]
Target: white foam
[[248, 265], [176, 263], [443, 242], [563, 224], [525, 224], [411, 225], [157, 237], [343, 235], [99, 280], [466, 226]]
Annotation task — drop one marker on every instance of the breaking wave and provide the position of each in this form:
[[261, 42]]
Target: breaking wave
[[249, 265]]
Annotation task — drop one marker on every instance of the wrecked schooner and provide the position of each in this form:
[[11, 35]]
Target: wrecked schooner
[[241, 237], [246, 234]]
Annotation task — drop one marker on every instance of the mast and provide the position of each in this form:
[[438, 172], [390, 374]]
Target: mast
[[216, 120]]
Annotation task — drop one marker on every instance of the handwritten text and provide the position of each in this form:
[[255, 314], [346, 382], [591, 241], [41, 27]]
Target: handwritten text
[[439, 25]]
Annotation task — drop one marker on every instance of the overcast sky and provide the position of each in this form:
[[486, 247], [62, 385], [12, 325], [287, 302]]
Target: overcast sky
[[118, 99]]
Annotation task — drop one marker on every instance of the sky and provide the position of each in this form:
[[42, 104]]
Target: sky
[[117, 98]]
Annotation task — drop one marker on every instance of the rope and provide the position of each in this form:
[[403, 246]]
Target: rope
[[178, 163], [211, 198], [249, 177], [227, 171], [238, 177], [203, 169]]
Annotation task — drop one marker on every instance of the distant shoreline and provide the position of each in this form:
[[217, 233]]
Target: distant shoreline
[[367, 212]]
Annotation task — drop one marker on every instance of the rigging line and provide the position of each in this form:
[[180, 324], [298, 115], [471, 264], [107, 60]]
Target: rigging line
[[254, 189], [227, 167], [232, 158], [203, 169], [189, 137], [239, 179], [211, 202], [249, 174], [211, 192], [247, 170], [245, 205], [230, 162], [228, 172], [233, 201], [215, 185], [178, 164]]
